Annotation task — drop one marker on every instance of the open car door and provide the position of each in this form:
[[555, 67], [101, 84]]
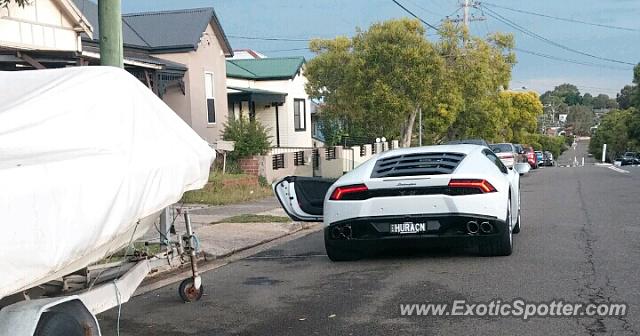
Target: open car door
[[303, 197]]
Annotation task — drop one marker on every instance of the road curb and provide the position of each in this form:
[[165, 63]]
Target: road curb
[[209, 256], [165, 278]]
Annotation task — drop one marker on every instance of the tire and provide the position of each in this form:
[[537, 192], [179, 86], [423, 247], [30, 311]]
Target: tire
[[187, 291], [502, 245], [516, 228], [55, 323], [340, 254]]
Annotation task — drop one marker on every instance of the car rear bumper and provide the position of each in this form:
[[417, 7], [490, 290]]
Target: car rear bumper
[[442, 230]]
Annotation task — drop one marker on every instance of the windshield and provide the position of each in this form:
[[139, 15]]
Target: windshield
[[501, 148]]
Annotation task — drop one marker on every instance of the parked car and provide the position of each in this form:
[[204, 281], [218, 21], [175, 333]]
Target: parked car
[[417, 196], [547, 159], [506, 152], [532, 159], [628, 159], [480, 142], [522, 155], [539, 157]]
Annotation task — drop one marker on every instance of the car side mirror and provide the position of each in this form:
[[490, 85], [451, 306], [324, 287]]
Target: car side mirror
[[522, 168]]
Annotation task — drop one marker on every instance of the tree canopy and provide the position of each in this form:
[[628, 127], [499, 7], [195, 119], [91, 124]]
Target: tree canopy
[[376, 84], [620, 129]]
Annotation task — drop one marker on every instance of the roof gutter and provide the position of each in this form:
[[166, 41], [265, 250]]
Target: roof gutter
[[127, 61]]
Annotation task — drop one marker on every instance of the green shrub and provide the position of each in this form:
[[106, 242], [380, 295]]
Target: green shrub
[[250, 138]]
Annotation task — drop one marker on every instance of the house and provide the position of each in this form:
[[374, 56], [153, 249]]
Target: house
[[246, 54], [180, 55], [44, 34], [272, 91]]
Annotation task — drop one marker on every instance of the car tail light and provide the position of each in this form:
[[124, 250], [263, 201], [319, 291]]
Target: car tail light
[[348, 192], [482, 185]]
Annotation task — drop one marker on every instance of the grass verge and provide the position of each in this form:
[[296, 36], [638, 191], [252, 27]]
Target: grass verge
[[227, 189]]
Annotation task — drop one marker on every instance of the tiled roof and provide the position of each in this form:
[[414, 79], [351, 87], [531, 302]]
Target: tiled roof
[[164, 30], [265, 68]]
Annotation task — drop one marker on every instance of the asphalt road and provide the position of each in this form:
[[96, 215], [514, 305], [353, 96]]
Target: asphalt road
[[579, 242]]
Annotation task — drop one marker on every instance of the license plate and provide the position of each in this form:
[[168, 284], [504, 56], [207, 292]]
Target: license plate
[[408, 227]]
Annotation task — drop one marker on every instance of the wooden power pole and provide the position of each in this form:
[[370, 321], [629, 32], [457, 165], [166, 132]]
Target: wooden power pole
[[110, 26]]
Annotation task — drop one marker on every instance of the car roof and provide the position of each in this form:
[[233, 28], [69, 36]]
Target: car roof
[[461, 148], [477, 141]]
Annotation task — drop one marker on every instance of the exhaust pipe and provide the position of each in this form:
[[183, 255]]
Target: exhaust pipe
[[472, 227], [336, 232], [486, 227], [346, 231], [341, 232]]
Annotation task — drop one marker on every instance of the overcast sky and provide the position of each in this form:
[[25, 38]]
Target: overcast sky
[[328, 18]]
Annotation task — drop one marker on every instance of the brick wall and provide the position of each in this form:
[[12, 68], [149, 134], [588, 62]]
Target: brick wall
[[250, 166]]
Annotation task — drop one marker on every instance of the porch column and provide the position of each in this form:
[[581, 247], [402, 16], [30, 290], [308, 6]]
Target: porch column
[[277, 126]]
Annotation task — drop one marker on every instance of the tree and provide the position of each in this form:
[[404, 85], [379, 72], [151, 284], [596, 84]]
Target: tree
[[613, 131], [520, 112], [478, 70], [624, 97], [581, 119], [635, 96], [567, 93], [587, 99], [376, 83], [251, 137], [602, 101]]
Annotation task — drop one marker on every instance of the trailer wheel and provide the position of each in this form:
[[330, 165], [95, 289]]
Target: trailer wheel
[[188, 292], [55, 323]]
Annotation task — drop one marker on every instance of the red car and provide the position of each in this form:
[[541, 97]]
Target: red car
[[532, 158]]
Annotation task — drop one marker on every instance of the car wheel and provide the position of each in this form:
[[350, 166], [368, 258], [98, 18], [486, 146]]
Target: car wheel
[[503, 244], [516, 228]]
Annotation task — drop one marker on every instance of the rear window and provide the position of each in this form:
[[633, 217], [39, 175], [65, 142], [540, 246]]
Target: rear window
[[502, 148]]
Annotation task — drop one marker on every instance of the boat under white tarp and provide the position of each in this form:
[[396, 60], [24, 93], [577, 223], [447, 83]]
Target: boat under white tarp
[[88, 157]]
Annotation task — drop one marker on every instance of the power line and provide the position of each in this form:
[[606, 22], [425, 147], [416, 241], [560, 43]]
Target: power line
[[286, 39], [561, 18], [518, 27], [424, 9], [568, 60], [282, 50], [415, 16]]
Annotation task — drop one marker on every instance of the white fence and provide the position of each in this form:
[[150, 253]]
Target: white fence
[[330, 162]]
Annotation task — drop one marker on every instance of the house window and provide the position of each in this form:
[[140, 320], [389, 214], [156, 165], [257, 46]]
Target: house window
[[300, 114], [209, 93]]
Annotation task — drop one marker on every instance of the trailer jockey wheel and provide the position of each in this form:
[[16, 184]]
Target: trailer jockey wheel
[[188, 292]]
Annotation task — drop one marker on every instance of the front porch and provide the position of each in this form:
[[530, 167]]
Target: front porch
[[261, 105]]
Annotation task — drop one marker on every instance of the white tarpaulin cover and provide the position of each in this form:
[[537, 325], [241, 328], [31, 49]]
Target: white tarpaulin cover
[[85, 153]]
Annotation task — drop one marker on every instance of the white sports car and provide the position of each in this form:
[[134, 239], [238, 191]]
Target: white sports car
[[419, 196]]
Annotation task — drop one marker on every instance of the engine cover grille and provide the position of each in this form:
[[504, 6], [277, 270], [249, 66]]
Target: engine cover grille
[[417, 164]]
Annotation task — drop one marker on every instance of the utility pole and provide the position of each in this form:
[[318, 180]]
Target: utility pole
[[110, 24], [466, 16]]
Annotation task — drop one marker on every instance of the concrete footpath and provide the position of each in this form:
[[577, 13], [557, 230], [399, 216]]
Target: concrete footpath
[[218, 239]]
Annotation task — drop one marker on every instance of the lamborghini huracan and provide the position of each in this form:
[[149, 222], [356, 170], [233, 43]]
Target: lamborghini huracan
[[422, 196]]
